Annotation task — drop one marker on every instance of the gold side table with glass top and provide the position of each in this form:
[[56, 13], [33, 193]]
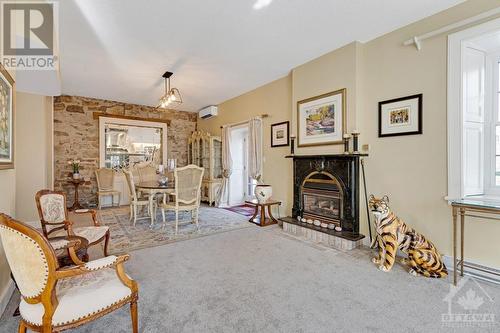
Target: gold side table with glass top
[[468, 207]]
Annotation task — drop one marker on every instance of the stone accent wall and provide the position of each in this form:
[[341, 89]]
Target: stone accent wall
[[76, 136]]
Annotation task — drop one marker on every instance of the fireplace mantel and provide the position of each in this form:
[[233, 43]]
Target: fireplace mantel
[[326, 156]]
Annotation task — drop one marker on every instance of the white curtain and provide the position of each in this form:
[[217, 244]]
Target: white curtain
[[255, 148], [222, 199]]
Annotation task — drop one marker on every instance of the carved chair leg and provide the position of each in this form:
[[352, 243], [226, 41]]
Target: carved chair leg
[[22, 327], [133, 314], [106, 242]]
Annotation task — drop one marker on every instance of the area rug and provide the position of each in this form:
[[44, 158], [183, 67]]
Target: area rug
[[125, 237], [245, 210]]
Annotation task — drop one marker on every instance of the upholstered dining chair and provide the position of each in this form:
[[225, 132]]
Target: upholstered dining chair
[[105, 181], [135, 200], [54, 218], [55, 299], [186, 194]]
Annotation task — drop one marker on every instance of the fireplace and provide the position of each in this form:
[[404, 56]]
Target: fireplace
[[326, 188], [322, 196]]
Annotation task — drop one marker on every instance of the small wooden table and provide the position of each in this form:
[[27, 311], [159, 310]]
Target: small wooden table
[[76, 183], [465, 207], [262, 220]]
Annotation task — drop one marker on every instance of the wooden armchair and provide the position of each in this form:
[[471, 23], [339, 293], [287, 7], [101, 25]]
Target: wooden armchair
[[55, 299], [54, 218]]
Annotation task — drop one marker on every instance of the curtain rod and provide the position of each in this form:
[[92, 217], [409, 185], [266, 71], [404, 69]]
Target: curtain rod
[[417, 40], [264, 115]]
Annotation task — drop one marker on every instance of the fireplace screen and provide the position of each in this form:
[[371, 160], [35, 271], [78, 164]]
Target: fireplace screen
[[322, 200], [322, 205]]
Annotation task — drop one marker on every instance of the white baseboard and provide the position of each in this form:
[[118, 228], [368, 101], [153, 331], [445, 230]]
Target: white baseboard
[[6, 295]]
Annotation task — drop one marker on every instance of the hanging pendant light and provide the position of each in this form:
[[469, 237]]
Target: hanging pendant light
[[172, 97]]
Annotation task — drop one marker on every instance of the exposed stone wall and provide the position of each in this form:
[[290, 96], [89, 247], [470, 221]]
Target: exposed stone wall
[[76, 136]]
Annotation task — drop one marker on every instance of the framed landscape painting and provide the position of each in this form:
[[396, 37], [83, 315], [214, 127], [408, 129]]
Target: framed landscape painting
[[6, 120], [280, 135], [400, 116], [321, 119]]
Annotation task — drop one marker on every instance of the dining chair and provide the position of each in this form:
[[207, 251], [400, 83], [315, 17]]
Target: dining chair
[[186, 196], [147, 173], [105, 182], [135, 200], [55, 222], [55, 299]]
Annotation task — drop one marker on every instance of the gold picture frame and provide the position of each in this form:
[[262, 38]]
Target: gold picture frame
[[330, 125], [7, 111]]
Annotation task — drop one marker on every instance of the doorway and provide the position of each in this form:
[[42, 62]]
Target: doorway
[[241, 185]]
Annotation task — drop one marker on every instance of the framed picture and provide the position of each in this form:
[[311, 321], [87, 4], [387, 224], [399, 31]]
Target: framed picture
[[7, 106], [280, 134], [321, 120], [400, 116]]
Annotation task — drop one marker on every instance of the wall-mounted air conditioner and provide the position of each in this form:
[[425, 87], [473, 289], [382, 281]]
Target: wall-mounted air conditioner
[[208, 112]]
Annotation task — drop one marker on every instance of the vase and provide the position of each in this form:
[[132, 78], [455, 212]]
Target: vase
[[263, 193], [76, 175]]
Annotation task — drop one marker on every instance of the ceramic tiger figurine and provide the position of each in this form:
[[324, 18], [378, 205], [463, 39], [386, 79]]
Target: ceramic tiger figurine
[[393, 233]]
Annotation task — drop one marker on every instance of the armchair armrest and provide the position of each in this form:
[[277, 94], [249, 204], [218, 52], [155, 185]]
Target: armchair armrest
[[91, 266], [92, 212]]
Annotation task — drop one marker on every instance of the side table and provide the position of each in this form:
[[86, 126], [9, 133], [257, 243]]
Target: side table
[[76, 183], [262, 220]]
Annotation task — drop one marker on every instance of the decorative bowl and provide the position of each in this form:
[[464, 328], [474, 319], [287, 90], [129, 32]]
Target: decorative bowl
[[324, 225], [317, 223], [338, 228], [310, 221], [303, 220], [331, 226]]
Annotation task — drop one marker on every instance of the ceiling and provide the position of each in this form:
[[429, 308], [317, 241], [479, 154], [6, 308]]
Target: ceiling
[[118, 49]]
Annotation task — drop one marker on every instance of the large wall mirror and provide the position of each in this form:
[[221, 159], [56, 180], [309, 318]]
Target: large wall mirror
[[125, 142]]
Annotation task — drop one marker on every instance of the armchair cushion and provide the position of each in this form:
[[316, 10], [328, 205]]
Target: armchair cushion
[[92, 234], [80, 296]]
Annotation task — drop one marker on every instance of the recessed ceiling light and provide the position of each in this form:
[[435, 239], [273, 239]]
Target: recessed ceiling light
[[259, 4]]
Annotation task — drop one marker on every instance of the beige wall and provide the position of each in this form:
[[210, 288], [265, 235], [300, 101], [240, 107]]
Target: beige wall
[[33, 153], [273, 99], [7, 206], [412, 170]]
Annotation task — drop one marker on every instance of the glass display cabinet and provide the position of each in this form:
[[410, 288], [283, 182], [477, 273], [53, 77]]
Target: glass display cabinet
[[205, 151]]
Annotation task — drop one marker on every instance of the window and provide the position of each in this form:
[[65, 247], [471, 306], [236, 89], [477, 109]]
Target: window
[[474, 112]]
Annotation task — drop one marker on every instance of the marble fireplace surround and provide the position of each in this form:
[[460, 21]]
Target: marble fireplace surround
[[345, 169]]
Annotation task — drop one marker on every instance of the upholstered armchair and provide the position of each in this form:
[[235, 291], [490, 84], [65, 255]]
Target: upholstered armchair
[[54, 218], [186, 194], [105, 181], [55, 299], [136, 201]]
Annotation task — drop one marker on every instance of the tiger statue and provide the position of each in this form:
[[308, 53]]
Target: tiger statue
[[392, 233]]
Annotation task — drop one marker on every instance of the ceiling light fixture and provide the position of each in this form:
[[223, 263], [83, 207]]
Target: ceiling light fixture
[[171, 95], [259, 4]]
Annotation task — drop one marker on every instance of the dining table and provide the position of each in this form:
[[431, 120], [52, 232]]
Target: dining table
[[152, 188]]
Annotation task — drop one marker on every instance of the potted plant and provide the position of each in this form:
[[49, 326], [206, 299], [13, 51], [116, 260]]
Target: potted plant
[[75, 164]]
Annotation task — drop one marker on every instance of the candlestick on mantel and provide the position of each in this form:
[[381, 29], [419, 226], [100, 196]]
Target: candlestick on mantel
[[355, 138], [292, 144], [346, 143]]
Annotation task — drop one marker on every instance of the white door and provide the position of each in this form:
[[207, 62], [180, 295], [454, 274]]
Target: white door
[[238, 181]]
